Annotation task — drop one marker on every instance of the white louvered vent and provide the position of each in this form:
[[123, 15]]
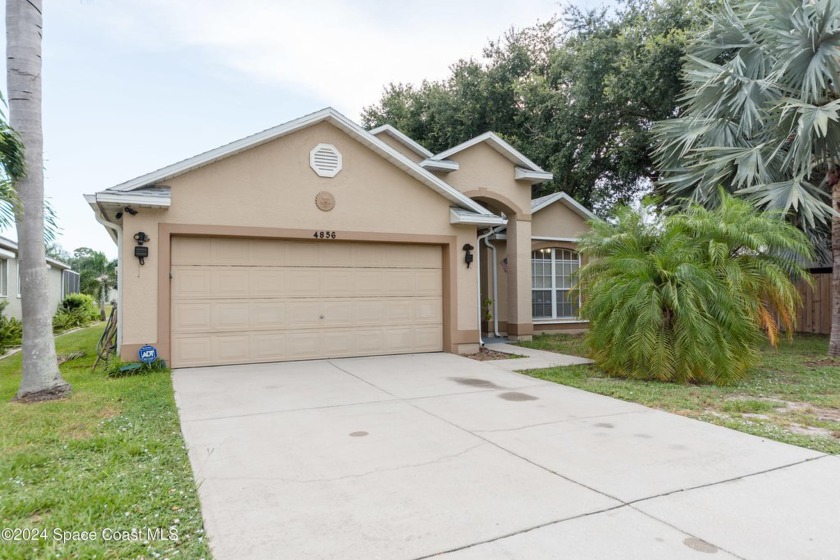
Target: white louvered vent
[[325, 160]]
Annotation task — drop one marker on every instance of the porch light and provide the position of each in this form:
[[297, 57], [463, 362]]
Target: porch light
[[468, 256]]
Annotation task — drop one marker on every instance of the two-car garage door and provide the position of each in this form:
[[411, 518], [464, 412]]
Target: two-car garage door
[[238, 301]]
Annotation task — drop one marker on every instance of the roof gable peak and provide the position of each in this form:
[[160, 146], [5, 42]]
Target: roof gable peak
[[327, 114], [403, 138], [497, 143]]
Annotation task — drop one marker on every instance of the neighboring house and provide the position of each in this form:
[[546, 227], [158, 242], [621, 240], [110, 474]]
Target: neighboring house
[[318, 238], [61, 281]]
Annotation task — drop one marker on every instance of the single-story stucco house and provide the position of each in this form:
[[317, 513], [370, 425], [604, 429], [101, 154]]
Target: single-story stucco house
[[61, 280], [318, 238]]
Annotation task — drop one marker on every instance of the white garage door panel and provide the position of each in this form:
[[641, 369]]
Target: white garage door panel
[[241, 301], [200, 282], [238, 252], [271, 314], [236, 348]]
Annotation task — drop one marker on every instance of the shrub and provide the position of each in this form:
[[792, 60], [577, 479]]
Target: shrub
[[11, 330], [81, 304], [689, 297], [76, 310], [117, 368]]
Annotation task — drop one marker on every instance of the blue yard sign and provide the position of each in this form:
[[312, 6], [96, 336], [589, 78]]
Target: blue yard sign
[[148, 354]]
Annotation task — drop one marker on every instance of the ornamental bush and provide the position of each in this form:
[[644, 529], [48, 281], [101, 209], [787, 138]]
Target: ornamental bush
[[11, 330], [75, 310], [689, 297]]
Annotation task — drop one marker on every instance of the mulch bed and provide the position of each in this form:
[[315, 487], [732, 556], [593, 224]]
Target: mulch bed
[[486, 354]]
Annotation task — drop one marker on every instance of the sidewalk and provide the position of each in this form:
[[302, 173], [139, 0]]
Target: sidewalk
[[534, 359]]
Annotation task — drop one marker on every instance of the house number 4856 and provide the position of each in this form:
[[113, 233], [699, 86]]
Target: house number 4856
[[324, 235]]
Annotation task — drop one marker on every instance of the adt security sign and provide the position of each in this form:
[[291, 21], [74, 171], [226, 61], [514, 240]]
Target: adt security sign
[[148, 354]]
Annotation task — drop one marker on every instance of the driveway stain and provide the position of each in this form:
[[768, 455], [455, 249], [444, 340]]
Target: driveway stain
[[604, 425], [514, 396], [700, 545], [358, 434], [475, 382]]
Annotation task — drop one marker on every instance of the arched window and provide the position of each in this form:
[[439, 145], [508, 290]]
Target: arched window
[[553, 272]]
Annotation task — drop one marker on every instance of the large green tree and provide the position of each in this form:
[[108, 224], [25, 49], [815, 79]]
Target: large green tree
[[688, 297], [761, 117], [578, 94], [24, 26]]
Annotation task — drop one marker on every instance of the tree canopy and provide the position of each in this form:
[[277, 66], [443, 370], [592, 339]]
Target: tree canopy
[[578, 94], [97, 274]]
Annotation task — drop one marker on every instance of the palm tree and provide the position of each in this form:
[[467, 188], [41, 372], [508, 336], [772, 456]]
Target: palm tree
[[41, 378], [97, 275], [688, 297], [761, 119]]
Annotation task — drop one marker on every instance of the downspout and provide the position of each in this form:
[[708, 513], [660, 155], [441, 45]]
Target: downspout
[[100, 217], [478, 277], [495, 282]]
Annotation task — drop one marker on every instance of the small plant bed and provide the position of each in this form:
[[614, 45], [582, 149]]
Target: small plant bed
[[792, 397], [485, 355], [109, 460]]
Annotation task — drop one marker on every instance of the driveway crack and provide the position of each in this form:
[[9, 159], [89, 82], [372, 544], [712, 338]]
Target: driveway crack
[[358, 475], [559, 422]]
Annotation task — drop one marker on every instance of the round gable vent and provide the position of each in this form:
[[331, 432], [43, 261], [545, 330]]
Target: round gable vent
[[325, 160]]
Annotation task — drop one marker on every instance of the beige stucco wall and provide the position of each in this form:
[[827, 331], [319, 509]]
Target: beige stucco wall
[[558, 224], [482, 167], [399, 146], [272, 186], [557, 220]]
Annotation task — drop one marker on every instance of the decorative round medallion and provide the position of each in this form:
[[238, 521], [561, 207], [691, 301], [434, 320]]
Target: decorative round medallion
[[325, 201]]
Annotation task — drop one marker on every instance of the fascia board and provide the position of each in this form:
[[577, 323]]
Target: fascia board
[[533, 177], [328, 114], [470, 218], [402, 137], [575, 206], [106, 197], [444, 166], [221, 152], [497, 144]]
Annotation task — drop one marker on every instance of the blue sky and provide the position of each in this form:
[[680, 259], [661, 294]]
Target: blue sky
[[133, 85]]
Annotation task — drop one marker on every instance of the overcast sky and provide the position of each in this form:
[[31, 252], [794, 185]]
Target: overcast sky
[[133, 85]]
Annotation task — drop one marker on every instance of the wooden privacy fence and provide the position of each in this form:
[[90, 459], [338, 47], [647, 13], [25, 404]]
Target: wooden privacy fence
[[815, 314]]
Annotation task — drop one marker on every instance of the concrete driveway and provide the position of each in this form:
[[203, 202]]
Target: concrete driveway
[[435, 455]]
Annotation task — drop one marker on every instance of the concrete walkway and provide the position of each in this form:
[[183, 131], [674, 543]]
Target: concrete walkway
[[434, 455], [534, 359]]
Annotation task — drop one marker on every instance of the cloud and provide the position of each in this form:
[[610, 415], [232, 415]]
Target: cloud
[[341, 52]]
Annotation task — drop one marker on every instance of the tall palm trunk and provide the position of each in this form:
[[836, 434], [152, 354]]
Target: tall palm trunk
[[834, 342], [41, 378]]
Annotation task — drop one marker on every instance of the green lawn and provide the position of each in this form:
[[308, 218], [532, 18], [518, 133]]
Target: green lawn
[[794, 396], [108, 459]]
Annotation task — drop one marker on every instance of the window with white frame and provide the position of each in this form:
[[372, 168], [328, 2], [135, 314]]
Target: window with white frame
[[4, 277], [553, 273]]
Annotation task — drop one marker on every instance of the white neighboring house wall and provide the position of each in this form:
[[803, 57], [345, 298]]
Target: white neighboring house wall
[[60, 279]]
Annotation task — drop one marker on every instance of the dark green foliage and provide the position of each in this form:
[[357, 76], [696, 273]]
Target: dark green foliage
[[97, 275], [76, 310], [118, 368], [578, 94], [11, 330], [688, 297]]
